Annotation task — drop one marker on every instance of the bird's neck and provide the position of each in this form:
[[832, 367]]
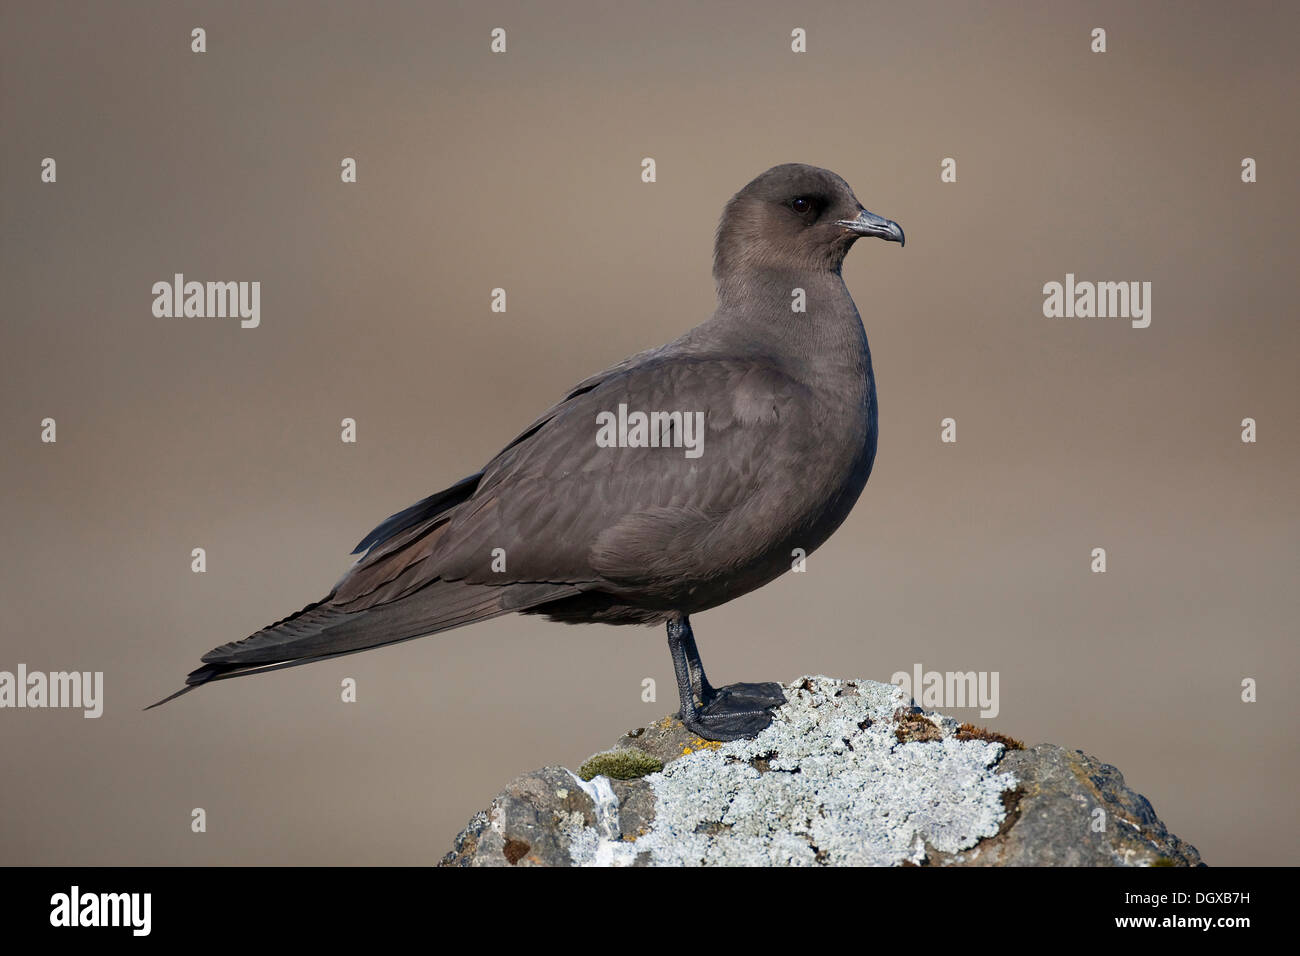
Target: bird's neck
[[745, 287], [808, 315]]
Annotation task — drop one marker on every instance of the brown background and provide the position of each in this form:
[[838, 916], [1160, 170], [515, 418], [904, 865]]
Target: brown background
[[522, 171]]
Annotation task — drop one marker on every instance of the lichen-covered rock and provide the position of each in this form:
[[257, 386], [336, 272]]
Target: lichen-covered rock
[[543, 816], [847, 774], [1073, 810]]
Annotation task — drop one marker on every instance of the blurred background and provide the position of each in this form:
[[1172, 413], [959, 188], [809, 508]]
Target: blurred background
[[522, 171]]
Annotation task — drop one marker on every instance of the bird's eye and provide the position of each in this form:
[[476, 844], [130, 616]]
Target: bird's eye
[[800, 205]]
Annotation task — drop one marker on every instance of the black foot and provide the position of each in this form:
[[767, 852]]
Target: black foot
[[736, 711]]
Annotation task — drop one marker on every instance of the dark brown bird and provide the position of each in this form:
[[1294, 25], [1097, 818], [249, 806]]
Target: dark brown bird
[[622, 526]]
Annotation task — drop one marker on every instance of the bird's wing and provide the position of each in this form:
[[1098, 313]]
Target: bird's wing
[[555, 506], [394, 554], [428, 509]]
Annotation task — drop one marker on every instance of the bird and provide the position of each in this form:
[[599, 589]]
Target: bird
[[653, 523]]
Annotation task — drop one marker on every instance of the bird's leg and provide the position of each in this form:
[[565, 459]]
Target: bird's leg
[[700, 685], [682, 669], [725, 713]]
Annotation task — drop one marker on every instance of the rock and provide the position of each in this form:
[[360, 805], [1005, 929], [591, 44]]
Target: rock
[[847, 774]]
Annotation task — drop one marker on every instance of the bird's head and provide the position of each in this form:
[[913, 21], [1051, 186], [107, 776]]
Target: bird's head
[[794, 217]]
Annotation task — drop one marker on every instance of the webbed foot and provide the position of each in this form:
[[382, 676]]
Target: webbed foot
[[736, 712]]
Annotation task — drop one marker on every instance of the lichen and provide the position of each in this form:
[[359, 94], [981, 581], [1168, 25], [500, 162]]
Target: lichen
[[829, 783]]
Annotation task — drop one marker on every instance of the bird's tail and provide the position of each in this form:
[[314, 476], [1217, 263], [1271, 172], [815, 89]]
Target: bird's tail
[[322, 630]]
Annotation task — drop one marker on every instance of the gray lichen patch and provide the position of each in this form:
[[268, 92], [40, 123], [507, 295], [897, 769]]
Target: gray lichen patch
[[826, 783]]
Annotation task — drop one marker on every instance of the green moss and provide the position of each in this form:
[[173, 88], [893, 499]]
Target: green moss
[[1163, 861], [623, 764]]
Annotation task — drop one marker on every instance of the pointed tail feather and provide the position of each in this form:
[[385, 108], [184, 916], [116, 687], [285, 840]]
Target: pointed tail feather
[[321, 631]]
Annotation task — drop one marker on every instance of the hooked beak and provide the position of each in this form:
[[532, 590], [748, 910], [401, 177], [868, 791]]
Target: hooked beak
[[869, 224]]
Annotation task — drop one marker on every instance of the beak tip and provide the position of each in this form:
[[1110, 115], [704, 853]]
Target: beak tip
[[869, 224]]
